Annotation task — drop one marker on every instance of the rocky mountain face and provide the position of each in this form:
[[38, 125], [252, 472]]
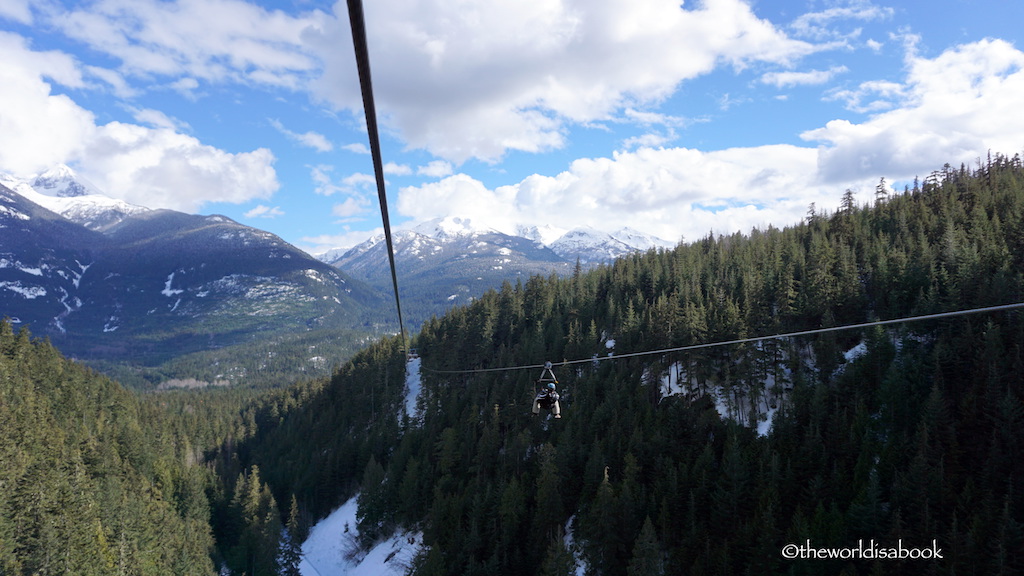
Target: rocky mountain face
[[156, 284]]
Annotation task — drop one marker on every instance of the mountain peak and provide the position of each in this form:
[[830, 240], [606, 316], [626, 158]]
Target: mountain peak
[[64, 192], [62, 182], [451, 226]]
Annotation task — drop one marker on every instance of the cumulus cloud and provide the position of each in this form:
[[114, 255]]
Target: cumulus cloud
[[951, 108], [152, 166], [162, 168], [40, 128], [541, 66], [441, 85], [212, 40], [668, 192]]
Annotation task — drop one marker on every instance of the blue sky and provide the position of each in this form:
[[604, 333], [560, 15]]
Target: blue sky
[[673, 119]]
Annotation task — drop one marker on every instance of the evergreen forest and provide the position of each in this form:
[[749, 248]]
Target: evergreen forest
[[904, 432]]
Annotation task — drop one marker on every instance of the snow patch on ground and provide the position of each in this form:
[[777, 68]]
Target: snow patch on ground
[[412, 385], [569, 541], [331, 548], [752, 406], [856, 352]]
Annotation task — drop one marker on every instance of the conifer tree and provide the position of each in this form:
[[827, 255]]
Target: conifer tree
[[291, 547], [647, 556]]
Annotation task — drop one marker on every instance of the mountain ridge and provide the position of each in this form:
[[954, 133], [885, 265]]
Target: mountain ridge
[[158, 284], [454, 260]]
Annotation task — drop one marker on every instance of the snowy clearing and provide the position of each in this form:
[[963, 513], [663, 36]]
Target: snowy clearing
[[331, 548]]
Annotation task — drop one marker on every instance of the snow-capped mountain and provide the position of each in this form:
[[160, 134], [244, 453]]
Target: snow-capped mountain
[[158, 284], [593, 246], [452, 260], [446, 263], [64, 192], [62, 182], [452, 227]]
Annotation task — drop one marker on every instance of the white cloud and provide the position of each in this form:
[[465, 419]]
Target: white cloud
[[953, 108], [187, 87], [212, 40], [16, 10], [820, 25], [435, 169], [352, 206], [346, 239], [351, 184], [654, 118], [787, 79], [397, 169], [117, 82], [39, 128], [162, 168], [314, 140], [155, 167], [466, 80], [539, 67], [871, 96], [359, 180], [262, 211], [357, 148], [157, 119], [649, 140], [321, 176], [668, 192]]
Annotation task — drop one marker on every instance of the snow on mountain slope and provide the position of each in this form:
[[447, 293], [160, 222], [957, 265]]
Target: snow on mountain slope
[[450, 227], [590, 246], [62, 191], [640, 241], [545, 235], [62, 181]]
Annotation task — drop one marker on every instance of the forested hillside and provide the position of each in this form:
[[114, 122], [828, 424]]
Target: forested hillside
[[91, 480], [917, 438]]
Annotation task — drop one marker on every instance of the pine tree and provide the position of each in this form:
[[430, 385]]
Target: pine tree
[[291, 547], [647, 556]]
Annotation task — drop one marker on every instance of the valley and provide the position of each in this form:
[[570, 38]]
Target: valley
[[670, 457]]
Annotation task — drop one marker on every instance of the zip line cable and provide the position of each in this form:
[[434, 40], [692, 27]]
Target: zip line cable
[[742, 340], [355, 17]]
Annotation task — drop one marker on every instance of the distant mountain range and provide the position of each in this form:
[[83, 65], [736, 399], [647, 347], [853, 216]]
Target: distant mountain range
[[105, 280], [450, 261], [108, 281]]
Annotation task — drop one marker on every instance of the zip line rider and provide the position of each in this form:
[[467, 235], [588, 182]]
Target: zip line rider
[[547, 396]]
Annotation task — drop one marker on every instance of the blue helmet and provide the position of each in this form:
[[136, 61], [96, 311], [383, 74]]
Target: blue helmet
[[551, 385]]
